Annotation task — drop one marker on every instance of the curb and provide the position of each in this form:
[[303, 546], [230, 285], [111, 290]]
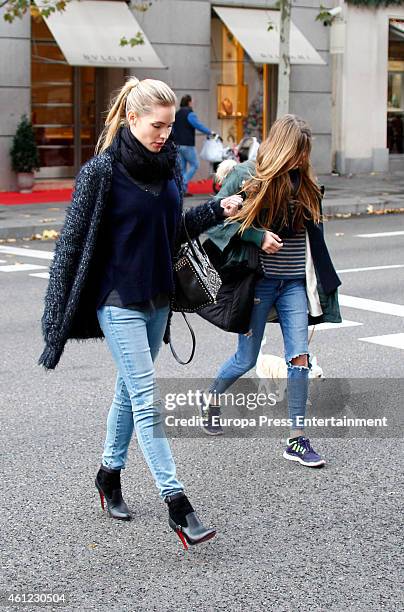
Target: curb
[[365, 205], [333, 208], [26, 231]]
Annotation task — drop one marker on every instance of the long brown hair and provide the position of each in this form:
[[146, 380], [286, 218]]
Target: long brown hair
[[270, 189], [138, 96]]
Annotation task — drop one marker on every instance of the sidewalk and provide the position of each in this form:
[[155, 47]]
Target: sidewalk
[[365, 193], [344, 196]]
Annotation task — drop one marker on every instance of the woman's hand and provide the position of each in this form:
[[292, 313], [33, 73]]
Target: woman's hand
[[231, 205], [271, 243]]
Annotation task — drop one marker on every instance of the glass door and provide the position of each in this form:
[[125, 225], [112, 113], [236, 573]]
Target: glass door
[[395, 107], [395, 88], [63, 106], [270, 103], [86, 132]]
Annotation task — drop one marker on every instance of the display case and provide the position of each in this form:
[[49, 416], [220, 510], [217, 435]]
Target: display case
[[232, 101]]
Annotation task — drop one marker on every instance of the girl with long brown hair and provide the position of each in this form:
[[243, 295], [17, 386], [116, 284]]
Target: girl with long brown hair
[[282, 215]]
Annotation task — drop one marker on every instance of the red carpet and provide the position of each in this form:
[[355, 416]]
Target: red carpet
[[201, 187], [14, 198]]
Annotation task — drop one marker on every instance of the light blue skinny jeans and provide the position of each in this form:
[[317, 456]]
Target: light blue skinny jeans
[[188, 157], [134, 338], [290, 299]]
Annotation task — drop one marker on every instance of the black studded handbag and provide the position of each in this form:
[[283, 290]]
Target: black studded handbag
[[196, 281]]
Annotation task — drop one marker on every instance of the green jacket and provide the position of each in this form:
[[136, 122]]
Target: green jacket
[[327, 309]]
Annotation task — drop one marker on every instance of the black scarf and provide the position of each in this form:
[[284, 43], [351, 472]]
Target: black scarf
[[144, 165]]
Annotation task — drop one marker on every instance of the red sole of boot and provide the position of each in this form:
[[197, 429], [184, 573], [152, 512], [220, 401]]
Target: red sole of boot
[[205, 539]]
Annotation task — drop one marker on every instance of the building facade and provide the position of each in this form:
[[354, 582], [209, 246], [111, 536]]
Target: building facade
[[340, 80], [205, 60], [367, 63], [15, 88]]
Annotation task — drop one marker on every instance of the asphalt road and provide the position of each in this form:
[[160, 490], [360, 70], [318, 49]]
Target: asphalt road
[[289, 538]]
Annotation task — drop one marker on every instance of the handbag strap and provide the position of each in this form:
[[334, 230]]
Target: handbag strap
[[191, 246], [175, 355]]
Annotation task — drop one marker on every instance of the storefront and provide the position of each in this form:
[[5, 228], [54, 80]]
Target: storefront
[[64, 70], [395, 96], [64, 106], [245, 58], [76, 62]]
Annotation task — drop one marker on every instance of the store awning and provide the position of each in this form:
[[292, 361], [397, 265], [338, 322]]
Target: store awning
[[396, 29], [250, 27], [89, 32]]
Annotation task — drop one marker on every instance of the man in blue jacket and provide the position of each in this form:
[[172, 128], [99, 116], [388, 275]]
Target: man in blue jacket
[[186, 122]]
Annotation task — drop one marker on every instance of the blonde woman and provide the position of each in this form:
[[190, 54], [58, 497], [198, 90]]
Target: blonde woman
[[282, 216], [112, 277]]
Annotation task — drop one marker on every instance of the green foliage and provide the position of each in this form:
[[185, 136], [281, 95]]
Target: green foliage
[[24, 152], [133, 42], [324, 16], [18, 8]]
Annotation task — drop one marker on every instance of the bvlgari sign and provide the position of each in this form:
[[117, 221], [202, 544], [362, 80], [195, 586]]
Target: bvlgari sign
[[89, 32], [111, 60]]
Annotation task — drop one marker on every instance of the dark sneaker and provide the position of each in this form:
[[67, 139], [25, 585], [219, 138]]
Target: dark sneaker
[[299, 449], [210, 415]]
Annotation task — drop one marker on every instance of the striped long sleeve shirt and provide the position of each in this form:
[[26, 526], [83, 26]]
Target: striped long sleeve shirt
[[289, 262]]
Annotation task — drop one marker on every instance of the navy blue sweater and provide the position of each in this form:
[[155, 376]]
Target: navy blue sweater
[[139, 229]]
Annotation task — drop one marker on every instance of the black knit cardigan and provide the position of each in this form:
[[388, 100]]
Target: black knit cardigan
[[70, 308]]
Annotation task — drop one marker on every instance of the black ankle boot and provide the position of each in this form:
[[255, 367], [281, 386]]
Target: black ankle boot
[[108, 483], [185, 522]]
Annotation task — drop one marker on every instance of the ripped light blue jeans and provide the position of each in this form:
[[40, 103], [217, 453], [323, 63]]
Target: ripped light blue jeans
[[134, 338], [290, 299]]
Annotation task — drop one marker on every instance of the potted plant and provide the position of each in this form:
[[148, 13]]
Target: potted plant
[[24, 155]]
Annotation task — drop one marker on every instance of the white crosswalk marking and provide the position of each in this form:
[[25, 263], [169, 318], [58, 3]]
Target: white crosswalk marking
[[21, 268], [351, 301], [380, 234], [32, 254], [392, 340], [370, 268], [345, 323], [26, 252], [41, 275]]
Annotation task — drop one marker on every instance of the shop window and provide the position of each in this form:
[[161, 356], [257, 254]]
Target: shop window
[[395, 88], [232, 92], [63, 105], [245, 91], [395, 107]]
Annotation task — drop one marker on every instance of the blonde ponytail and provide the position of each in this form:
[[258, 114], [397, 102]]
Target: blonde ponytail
[[137, 96]]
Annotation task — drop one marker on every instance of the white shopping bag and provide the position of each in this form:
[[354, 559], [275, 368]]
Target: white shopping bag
[[212, 150], [252, 153]]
